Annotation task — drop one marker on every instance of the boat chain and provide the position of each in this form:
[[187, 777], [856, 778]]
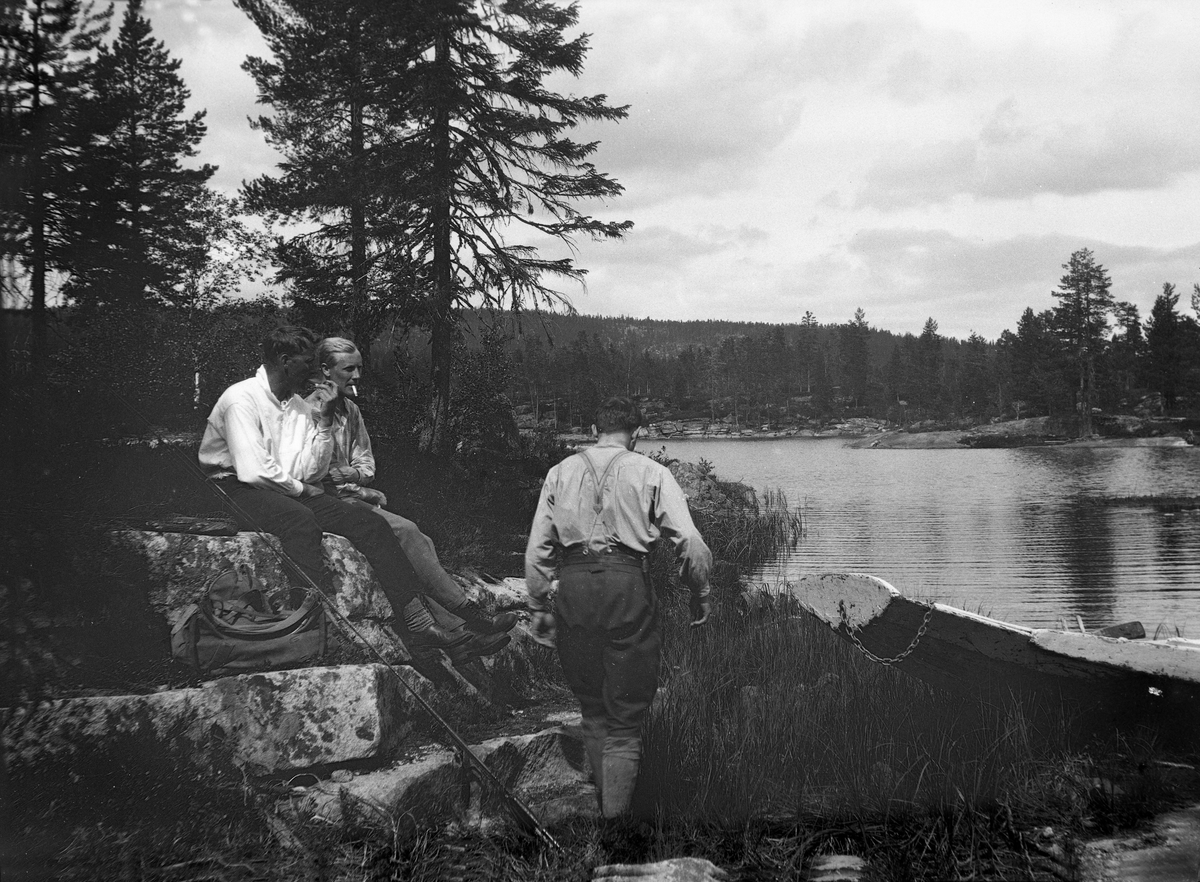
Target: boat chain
[[902, 656]]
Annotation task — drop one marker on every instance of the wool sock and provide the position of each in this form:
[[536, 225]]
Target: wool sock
[[416, 615]]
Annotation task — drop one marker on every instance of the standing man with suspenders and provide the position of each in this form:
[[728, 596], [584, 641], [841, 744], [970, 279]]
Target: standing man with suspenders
[[603, 509]]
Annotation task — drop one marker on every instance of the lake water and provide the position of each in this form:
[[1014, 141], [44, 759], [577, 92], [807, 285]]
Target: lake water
[[1009, 533]]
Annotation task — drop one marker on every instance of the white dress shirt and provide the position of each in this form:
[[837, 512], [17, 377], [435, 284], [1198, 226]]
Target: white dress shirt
[[263, 442]]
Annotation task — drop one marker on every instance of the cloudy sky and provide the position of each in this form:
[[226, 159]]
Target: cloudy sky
[[915, 159]]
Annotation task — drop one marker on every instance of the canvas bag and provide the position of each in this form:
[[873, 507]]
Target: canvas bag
[[234, 628]]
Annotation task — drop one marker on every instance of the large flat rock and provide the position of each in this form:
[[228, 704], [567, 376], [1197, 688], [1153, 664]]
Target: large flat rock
[[263, 723], [180, 564], [546, 770]]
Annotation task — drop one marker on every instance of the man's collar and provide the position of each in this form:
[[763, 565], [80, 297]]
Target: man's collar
[[265, 382]]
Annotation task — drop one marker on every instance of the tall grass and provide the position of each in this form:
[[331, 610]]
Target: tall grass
[[766, 718], [767, 713]]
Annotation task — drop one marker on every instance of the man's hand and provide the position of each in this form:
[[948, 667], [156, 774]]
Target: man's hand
[[307, 490], [345, 475], [542, 628], [374, 497], [322, 398], [701, 607]]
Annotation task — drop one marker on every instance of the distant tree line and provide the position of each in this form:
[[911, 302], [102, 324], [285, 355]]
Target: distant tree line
[[1090, 351]]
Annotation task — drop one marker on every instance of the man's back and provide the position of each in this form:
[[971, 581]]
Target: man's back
[[639, 501]]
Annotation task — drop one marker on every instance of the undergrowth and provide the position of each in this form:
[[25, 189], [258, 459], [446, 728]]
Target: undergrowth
[[770, 742]]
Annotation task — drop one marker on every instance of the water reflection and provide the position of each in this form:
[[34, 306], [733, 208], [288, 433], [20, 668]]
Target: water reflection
[[1088, 561], [1020, 534]]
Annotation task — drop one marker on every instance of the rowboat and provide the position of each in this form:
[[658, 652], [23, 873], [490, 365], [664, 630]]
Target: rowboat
[[1108, 679]]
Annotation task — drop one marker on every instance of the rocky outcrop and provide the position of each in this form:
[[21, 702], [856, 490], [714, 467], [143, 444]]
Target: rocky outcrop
[[705, 493], [179, 566], [546, 770], [181, 563], [262, 723]]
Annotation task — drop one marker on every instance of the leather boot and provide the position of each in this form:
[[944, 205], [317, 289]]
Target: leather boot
[[477, 645], [480, 622], [432, 637]]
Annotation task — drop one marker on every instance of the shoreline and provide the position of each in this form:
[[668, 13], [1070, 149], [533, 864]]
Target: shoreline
[[897, 440], [875, 435]]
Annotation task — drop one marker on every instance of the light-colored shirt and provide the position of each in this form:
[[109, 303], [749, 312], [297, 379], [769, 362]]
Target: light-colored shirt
[[639, 502], [273, 445], [352, 448]]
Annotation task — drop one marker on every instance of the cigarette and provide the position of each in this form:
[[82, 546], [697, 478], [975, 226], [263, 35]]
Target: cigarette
[[352, 389]]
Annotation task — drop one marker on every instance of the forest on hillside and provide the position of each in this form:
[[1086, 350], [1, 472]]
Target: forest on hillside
[[1088, 353]]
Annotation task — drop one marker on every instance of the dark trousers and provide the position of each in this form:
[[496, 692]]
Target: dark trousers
[[608, 642], [299, 524]]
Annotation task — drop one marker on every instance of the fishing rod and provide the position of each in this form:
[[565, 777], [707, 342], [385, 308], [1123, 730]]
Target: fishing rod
[[472, 764]]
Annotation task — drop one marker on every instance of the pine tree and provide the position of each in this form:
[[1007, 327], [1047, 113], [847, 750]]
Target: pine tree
[[421, 139], [337, 69], [1166, 347], [46, 49], [856, 357], [929, 366], [1081, 322], [141, 228]]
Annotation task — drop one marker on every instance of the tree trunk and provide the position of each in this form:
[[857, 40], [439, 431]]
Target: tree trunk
[[442, 325], [360, 323], [37, 219]]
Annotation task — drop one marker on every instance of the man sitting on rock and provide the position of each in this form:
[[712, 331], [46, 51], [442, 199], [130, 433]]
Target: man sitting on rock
[[267, 449], [352, 468]]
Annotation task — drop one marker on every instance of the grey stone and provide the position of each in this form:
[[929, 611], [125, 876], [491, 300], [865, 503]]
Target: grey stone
[[264, 723], [180, 565], [1168, 852], [546, 770]]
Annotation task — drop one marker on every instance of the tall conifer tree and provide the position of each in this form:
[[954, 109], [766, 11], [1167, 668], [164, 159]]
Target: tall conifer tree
[[444, 100], [141, 215], [1081, 322], [46, 49]]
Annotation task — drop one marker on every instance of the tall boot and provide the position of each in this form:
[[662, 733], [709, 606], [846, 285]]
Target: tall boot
[[476, 645], [622, 756], [480, 622]]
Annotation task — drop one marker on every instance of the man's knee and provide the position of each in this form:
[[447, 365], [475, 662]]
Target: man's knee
[[297, 522], [365, 529], [404, 529]]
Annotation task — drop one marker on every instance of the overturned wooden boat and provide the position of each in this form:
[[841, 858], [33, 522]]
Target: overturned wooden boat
[[1124, 680]]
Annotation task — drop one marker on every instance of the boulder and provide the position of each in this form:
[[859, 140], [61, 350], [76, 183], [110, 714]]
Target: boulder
[[181, 563], [263, 723], [546, 770], [705, 493]]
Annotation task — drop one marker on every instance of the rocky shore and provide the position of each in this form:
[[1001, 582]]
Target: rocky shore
[[1115, 431], [859, 432]]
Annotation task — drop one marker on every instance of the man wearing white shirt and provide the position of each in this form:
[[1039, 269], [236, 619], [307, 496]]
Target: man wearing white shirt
[[268, 448]]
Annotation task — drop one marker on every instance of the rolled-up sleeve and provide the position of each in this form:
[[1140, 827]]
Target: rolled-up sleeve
[[675, 523], [362, 458], [539, 552]]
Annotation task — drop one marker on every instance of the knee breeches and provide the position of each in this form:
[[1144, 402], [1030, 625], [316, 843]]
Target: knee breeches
[[608, 642]]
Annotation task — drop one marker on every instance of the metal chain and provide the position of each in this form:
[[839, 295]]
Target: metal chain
[[902, 656]]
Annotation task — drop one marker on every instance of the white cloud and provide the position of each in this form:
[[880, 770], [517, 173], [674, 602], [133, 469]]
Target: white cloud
[[916, 158], [1129, 149]]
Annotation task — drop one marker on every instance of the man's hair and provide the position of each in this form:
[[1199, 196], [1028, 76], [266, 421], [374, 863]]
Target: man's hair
[[618, 414], [286, 340], [331, 347]]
